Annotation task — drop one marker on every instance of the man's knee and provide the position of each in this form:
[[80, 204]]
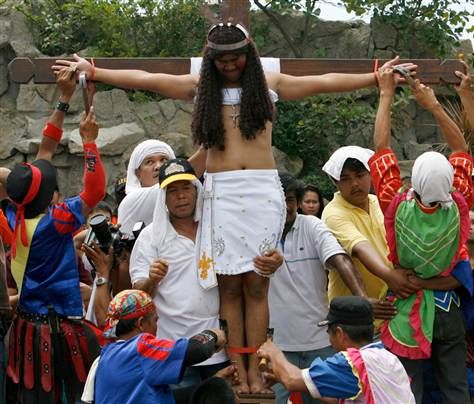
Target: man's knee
[[256, 290], [230, 289]]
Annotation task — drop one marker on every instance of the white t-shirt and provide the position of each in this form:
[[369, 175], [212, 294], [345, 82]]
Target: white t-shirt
[[298, 290], [184, 308], [137, 206]]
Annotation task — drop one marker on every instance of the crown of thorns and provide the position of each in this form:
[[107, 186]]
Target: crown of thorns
[[229, 46]]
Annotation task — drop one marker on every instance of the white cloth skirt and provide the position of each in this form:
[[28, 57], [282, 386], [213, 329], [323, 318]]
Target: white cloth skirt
[[243, 216]]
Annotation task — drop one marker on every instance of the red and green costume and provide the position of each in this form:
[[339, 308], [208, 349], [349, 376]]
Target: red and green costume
[[430, 241]]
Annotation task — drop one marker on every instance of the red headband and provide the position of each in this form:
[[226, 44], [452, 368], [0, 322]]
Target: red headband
[[20, 207]]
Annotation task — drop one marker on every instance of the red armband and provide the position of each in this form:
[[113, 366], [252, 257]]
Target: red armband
[[94, 176], [53, 132]]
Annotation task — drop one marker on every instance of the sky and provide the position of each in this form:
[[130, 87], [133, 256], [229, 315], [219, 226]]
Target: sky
[[334, 11]]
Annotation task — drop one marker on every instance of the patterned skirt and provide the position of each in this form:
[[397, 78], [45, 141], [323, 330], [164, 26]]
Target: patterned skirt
[[49, 357]]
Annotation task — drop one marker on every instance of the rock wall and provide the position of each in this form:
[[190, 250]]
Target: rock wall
[[25, 108]]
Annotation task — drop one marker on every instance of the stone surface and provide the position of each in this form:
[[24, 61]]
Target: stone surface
[[111, 141], [413, 150], [25, 108], [285, 163], [12, 129]]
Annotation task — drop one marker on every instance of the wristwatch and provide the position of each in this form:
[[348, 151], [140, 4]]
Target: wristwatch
[[62, 106], [100, 280]]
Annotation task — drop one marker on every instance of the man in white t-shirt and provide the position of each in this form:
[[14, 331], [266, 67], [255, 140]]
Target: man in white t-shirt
[[163, 263], [298, 297]]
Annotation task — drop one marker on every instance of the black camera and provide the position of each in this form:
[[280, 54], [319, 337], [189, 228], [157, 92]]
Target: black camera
[[107, 235]]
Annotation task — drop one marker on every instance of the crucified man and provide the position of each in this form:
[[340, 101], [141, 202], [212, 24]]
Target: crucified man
[[244, 208]]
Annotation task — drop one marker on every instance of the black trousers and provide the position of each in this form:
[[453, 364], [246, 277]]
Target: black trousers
[[448, 356]]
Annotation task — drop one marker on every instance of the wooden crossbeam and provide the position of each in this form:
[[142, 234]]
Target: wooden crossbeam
[[430, 71]]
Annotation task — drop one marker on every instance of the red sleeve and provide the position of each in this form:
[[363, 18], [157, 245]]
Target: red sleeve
[[385, 174], [94, 176], [462, 164]]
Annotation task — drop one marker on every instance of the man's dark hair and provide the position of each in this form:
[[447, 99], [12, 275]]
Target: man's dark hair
[[291, 184], [125, 326], [214, 390], [256, 107], [104, 206], [353, 165], [362, 334]]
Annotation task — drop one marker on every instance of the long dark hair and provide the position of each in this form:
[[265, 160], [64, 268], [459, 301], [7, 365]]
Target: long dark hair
[[316, 190], [256, 107]]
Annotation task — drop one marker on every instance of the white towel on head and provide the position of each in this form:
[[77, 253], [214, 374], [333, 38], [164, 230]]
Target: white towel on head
[[268, 64], [333, 166], [141, 151], [432, 178]]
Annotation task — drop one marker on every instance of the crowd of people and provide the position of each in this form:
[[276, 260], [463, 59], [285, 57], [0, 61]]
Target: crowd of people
[[219, 276]]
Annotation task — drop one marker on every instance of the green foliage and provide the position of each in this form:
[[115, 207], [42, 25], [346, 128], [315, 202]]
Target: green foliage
[[434, 23], [117, 27], [316, 126]]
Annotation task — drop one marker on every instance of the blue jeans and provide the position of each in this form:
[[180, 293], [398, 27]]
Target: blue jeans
[[302, 360]]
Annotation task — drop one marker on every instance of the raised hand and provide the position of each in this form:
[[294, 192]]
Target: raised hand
[[424, 96], [464, 88], [66, 81], [88, 128]]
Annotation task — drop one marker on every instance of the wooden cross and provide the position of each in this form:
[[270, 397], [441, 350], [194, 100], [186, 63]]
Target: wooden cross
[[430, 71]]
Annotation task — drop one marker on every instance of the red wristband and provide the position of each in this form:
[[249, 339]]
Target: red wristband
[[376, 72], [53, 132]]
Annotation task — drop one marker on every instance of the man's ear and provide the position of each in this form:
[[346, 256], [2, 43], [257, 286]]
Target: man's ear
[[139, 324], [138, 172]]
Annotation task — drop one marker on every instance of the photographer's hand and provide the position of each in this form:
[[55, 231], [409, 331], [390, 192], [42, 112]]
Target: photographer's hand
[[102, 262]]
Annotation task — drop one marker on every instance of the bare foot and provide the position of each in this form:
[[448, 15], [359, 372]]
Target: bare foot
[[256, 383], [241, 388]]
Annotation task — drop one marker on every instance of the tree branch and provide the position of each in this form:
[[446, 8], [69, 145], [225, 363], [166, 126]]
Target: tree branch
[[274, 19]]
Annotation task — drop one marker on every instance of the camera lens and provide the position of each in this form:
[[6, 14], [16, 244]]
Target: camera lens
[[100, 226]]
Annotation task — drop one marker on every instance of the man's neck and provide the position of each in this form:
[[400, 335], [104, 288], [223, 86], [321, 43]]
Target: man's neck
[[186, 227], [129, 335], [286, 229]]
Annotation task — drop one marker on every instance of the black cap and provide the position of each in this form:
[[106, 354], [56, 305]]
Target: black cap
[[349, 310], [176, 170], [19, 182]]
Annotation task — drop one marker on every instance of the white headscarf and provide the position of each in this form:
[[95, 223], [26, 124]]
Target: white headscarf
[[144, 149], [432, 179], [333, 166], [161, 218]]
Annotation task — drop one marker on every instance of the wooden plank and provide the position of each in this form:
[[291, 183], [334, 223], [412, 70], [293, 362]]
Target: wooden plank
[[430, 71]]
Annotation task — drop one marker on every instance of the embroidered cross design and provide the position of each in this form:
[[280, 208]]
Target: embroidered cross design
[[204, 265], [235, 114]]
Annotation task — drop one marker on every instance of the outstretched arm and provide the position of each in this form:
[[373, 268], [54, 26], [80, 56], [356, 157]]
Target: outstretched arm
[[52, 132], [426, 98], [466, 94], [292, 87], [169, 85], [382, 130], [94, 174]]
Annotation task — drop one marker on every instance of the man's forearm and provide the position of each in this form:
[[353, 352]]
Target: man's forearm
[[365, 253], [383, 122], [147, 286], [467, 100], [440, 283], [48, 145], [451, 132], [348, 273]]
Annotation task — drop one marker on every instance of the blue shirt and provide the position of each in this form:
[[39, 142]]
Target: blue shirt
[[139, 370], [51, 275]]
